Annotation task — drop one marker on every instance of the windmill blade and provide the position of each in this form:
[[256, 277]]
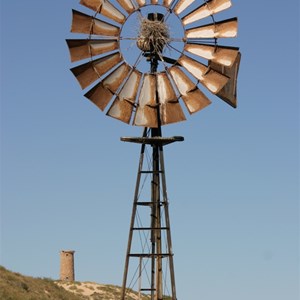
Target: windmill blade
[[99, 95], [218, 54], [124, 103], [121, 110], [167, 3], [211, 79], [229, 92], [130, 88], [182, 5], [192, 97], [81, 49], [154, 2], [113, 81], [127, 5], [87, 73], [141, 2], [146, 113], [82, 23], [105, 8], [170, 109], [223, 29], [103, 92], [207, 9]]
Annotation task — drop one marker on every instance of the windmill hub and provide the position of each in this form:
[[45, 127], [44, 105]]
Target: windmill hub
[[154, 34]]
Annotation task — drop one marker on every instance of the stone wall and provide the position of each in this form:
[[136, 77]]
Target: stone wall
[[67, 265]]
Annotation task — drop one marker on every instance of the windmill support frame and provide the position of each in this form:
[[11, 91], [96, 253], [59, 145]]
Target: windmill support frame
[[159, 206]]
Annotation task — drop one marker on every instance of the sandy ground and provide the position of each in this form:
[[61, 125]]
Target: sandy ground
[[83, 288], [90, 288]]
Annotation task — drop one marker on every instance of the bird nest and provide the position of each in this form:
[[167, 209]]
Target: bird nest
[[153, 35]]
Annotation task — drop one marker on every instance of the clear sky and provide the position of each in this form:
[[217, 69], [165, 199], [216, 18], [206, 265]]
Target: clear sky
[[67, 181]]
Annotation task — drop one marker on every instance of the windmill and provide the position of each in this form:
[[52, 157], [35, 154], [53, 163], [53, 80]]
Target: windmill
[[140, 60]]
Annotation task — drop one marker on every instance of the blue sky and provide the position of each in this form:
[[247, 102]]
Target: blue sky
[[67, 181]]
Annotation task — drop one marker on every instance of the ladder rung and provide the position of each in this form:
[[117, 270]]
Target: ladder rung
[[147, 290], [144, 203], [149, 228], [151, 172], [149, 203], [149, 254]]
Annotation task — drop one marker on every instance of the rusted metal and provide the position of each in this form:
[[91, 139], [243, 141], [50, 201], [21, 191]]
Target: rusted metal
[[99, 95], [146, 113], [223, 29], [206, 9], [193, 98], [130, 89], [127, 5], [218, 54], [121, 110], [103, 92], [123, 105], [167, 3], [82, 23], [211, 79], [105, 8], [170, 109], [81, 49], [141, 2], [113, 81], [87, 73], [182, 5], [229, 92]]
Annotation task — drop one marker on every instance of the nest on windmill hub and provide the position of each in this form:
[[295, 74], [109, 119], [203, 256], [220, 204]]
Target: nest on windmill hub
[[153, 35]]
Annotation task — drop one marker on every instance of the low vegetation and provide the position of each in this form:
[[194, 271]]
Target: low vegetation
[[14, 286]]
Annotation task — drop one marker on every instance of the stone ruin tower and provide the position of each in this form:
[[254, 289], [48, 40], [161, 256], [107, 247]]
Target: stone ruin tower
[[67, 265]]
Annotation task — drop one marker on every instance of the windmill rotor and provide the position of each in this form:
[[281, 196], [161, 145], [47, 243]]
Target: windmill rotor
[[189, 66]]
